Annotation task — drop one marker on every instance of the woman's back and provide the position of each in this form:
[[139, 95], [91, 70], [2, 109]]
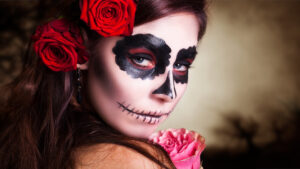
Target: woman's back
[[117, 157]]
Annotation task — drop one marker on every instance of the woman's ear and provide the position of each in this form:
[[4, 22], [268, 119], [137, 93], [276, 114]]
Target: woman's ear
[[84, 35], [83, 66]]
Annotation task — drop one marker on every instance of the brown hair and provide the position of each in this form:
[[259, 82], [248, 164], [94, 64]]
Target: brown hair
[[42, 124]]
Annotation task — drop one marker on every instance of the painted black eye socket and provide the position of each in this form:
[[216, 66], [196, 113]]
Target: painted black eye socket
[[142, 55]]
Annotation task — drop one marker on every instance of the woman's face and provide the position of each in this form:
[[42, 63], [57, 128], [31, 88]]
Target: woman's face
[[136, 81]]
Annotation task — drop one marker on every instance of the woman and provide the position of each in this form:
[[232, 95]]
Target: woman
[[94, 87]]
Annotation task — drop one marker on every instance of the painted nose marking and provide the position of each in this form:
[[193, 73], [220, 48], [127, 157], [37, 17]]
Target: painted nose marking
[[167, 87]]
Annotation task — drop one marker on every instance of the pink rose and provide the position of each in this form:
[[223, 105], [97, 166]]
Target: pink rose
[[183, 146]]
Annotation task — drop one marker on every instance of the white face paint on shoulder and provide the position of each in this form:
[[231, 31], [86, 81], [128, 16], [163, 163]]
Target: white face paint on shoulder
[[135, 82]]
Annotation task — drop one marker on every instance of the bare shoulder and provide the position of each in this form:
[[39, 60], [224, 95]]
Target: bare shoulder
[[114, 156]]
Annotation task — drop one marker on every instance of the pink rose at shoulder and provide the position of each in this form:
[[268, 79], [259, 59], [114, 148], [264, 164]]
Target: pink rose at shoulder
[[183, 146]]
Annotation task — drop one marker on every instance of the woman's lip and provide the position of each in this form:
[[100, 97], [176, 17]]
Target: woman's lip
[[151, 118], [144, 113]]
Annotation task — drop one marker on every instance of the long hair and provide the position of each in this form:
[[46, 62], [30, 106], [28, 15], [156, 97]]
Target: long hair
[[41, 123]]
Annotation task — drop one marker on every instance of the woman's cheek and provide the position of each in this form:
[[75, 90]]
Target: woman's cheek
[[180, 88]]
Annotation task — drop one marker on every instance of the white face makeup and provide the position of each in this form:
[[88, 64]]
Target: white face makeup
[[136, 81]]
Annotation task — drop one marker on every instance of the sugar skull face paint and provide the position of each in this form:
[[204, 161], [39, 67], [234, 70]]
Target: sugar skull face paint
[[135, 82], [146, 56], [185, 58], [167, 88], [142, 55]]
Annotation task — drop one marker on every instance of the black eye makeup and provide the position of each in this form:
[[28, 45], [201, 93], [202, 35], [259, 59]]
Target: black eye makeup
[[146, 56], [185, 58], [142, 55], [142, 58]]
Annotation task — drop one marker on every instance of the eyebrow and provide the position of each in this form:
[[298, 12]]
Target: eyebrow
[[153, 43], [188, 54], [158, 43], [148, 41]]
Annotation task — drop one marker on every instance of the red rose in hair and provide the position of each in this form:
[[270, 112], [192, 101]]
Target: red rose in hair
[[60, 45], [109, 17]]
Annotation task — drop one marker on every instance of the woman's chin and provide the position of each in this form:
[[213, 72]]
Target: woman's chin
[[137, 129]]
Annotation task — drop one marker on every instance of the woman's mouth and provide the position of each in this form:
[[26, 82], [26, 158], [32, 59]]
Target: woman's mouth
[[149, 117]]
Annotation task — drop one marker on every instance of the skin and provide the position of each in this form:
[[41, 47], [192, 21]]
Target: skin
[[134, 87]]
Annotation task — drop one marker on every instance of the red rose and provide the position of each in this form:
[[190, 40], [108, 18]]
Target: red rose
[[183, 146], [60, 45], [109, 17]]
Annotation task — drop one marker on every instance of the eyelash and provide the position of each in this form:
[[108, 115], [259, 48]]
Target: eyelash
[[138, 60], [146, 61], [181, 72]]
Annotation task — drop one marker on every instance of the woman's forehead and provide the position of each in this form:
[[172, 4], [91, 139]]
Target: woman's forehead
[[178, 31]]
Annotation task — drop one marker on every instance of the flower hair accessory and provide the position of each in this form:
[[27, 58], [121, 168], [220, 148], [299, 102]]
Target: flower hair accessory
[[109, 17], [60, 45], [183, 146]]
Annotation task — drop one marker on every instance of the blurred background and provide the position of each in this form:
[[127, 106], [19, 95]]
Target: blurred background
[[243, 93]]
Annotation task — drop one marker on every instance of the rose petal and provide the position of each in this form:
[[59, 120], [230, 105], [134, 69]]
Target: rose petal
[[189, 151], [57, 47], [109, 17], [183, 146], [189, 163]]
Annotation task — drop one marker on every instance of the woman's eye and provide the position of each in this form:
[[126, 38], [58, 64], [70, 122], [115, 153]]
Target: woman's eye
[[142, 62], [180, 68]]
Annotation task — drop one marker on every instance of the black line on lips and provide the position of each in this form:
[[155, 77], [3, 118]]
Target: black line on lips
[[150, 121], [148, 114]]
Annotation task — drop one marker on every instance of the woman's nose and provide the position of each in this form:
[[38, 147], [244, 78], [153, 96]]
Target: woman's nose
[[166, 91]]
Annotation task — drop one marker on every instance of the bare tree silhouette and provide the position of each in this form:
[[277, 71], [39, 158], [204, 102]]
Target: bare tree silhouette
[[278, 129]]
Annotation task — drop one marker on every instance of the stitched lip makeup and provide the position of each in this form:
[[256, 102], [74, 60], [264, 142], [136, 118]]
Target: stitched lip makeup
[[145, 72], [149, 117]]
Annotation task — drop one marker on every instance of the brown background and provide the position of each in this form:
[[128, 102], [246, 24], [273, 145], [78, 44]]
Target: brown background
[[243, 92], [249, 60]]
